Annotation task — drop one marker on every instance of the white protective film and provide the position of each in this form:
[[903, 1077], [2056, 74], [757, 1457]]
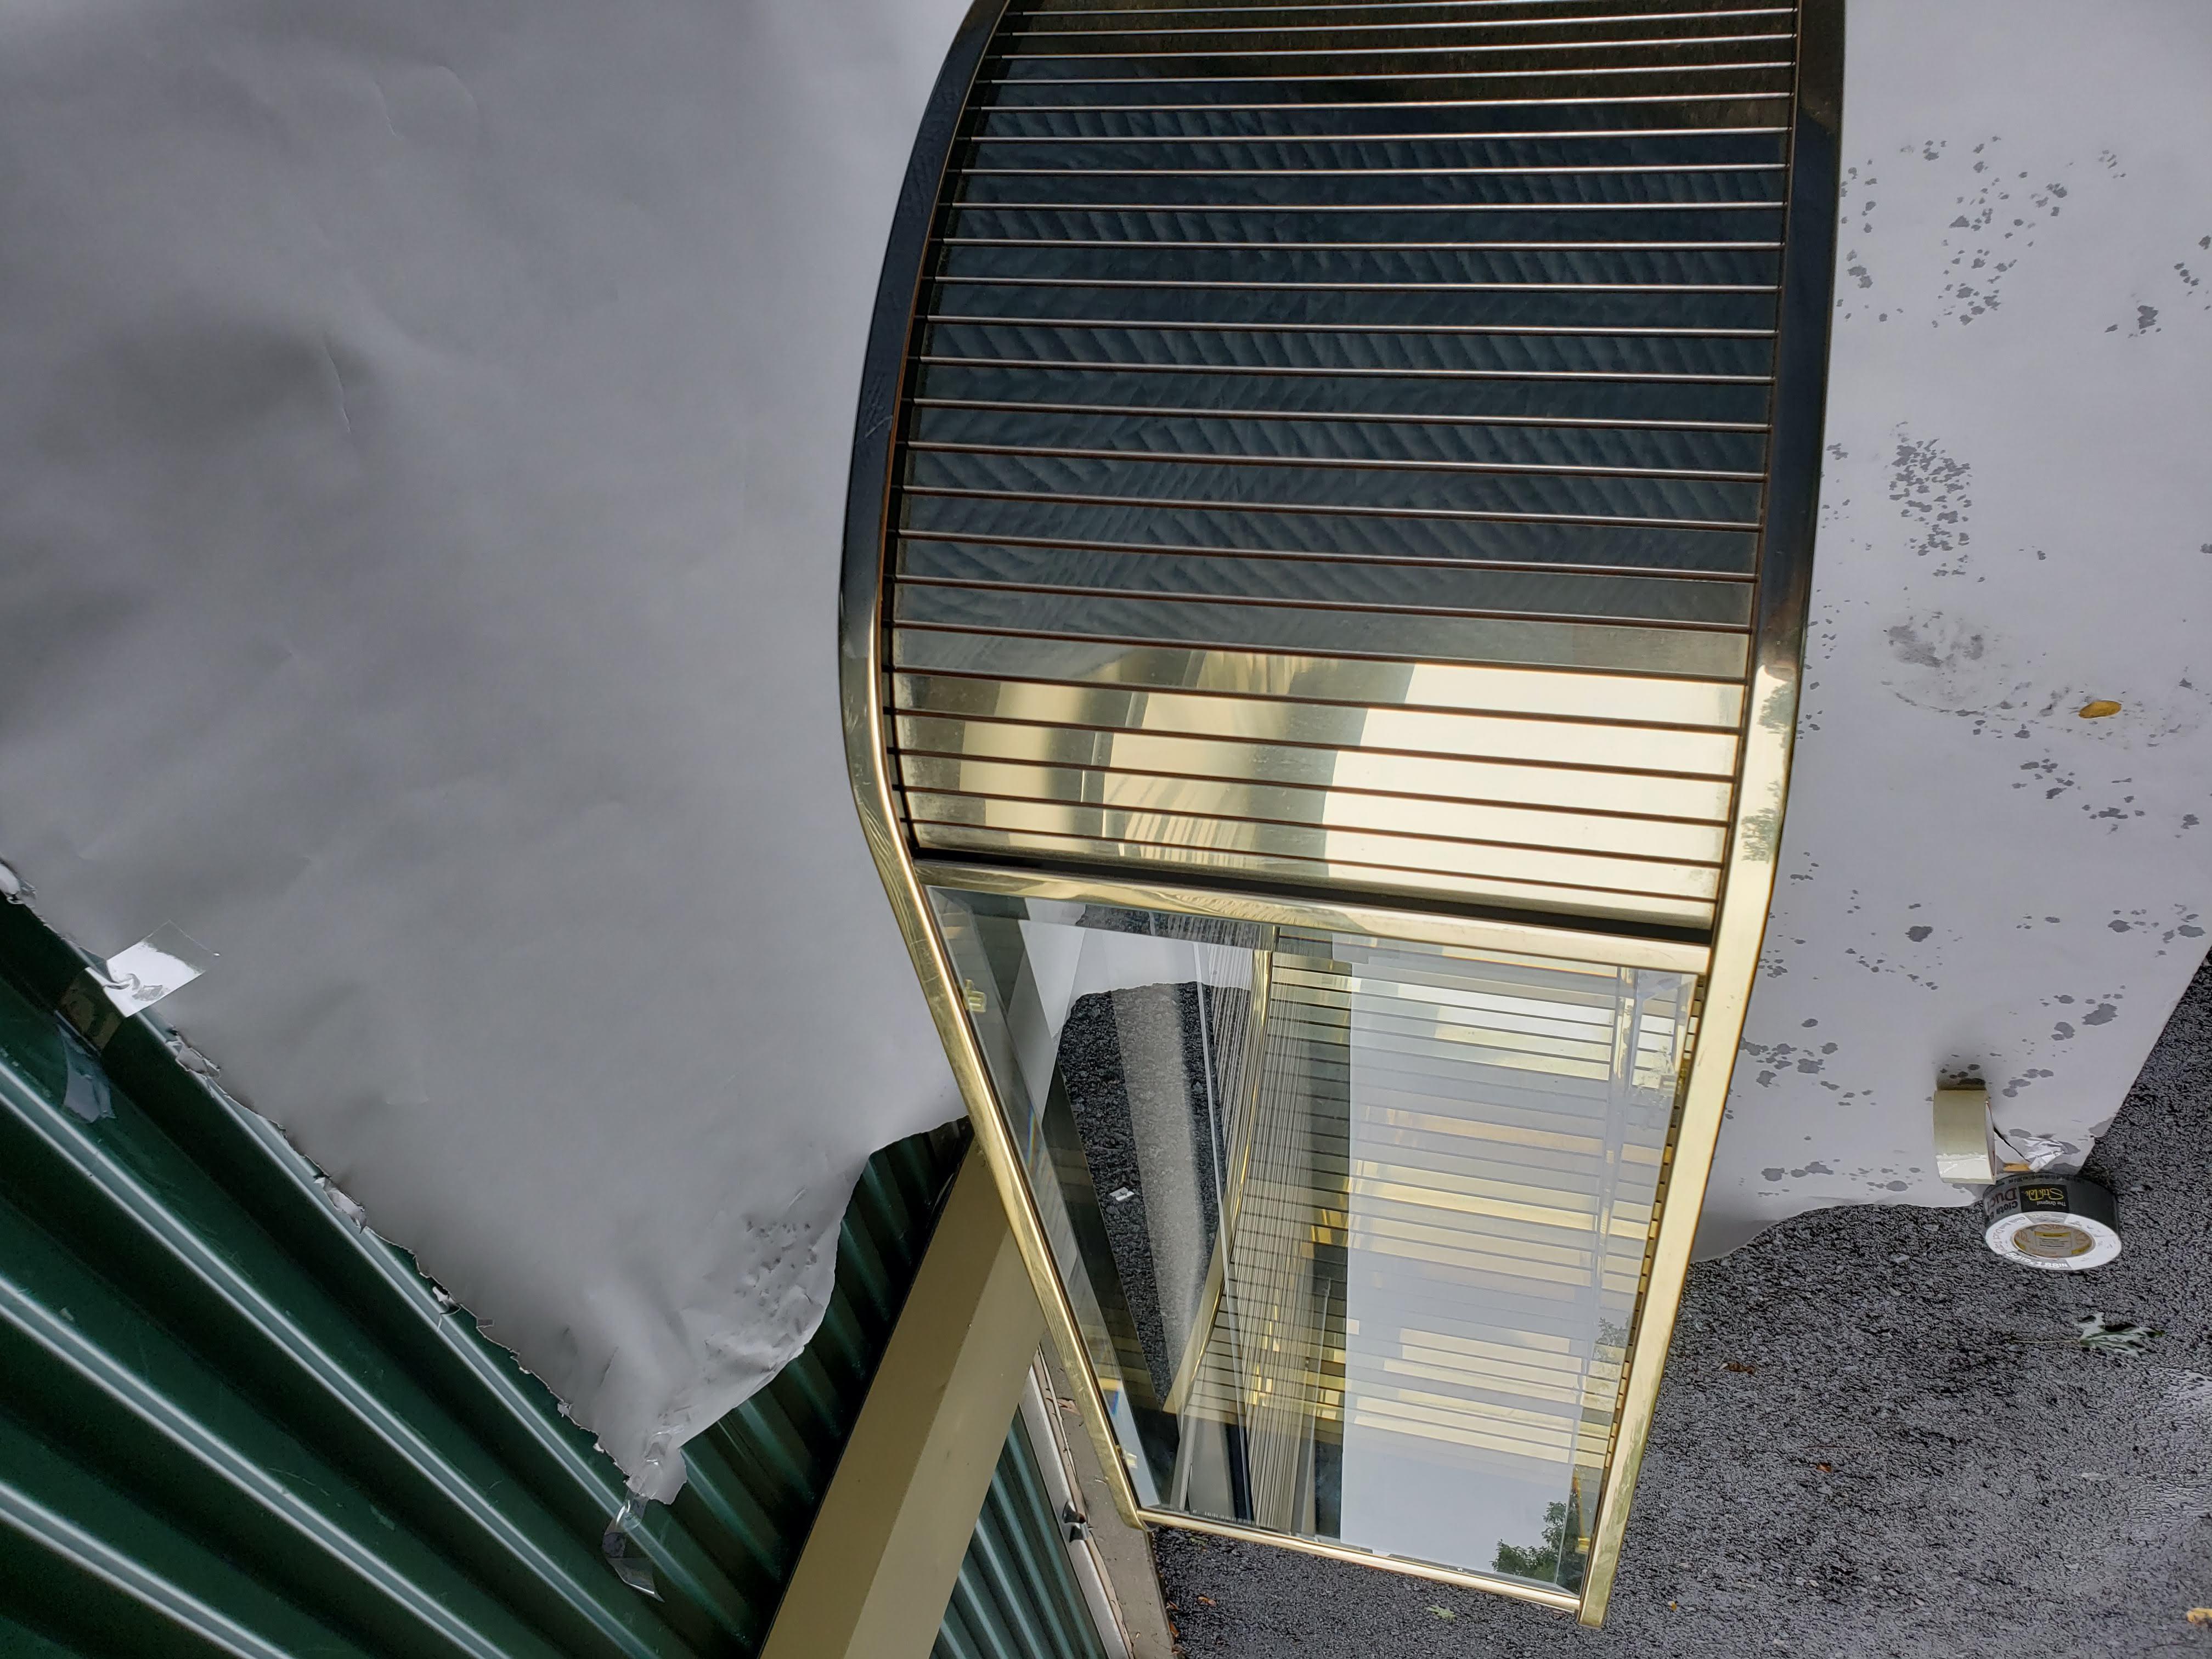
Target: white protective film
[[426, 432], [2015, 524]]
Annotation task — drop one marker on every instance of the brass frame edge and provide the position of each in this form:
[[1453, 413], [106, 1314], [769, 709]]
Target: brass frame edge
[[1382, 921], [1806, 304], [861, 673], [1557, 1599]]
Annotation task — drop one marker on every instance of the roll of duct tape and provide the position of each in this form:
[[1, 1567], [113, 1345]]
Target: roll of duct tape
[[2057, 1222]]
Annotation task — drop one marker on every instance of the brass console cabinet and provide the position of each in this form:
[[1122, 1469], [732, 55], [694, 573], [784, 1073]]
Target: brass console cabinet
[[1324, 585]]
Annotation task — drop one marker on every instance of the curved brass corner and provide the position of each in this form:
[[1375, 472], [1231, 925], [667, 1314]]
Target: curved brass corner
[[1785, 578], [861, 702]]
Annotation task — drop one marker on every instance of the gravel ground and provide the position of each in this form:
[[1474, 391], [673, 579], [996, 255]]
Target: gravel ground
[[1875, 1439], [1100, 1095]]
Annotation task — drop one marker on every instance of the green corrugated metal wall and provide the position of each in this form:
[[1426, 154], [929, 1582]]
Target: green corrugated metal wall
[[232, 1421], [1016, 1597]]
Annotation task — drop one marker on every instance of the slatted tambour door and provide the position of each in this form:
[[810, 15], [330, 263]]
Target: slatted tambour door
[[1332, 483], [1332, 449], [1473, 1209]]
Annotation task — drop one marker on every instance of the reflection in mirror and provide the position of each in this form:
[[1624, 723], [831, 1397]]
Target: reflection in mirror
[[1352, 1227]]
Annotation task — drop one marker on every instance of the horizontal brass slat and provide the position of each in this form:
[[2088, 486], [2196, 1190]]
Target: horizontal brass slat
[[1590, 907], [1513, 1162], [1493, 782], [1030, 25], [1335, 912], [1324, 556], [1764, 38], [1528, 169], [1139, 326], [1745, 66], [1328, 509], [1507, 692], [1323, 288], [1305, 555], [1166, 838], [1572, 991], [1516, 693], [1541, 134], [1348, 463], [1436, 989], [1717, 597], [1303, 7], [1371, 417], [1478, 13], [1364, 247], [1334, 372], [1467, 209], [1336, 808], [1405, 1026], [1404, 732], [1410, 1040], [1696, 654], [1620, 100]]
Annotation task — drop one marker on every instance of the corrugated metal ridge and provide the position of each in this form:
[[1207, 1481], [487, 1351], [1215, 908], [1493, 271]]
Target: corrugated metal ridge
[[237, 1422], [1017, 1596]]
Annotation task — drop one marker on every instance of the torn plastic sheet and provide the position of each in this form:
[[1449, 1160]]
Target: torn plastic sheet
[[2041, 1152], [84, 1089], [166, 960], [429, 430], [619, 1544], [97, 1002]]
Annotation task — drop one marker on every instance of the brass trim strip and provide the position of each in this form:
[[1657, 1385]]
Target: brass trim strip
[[1473, 690], [1331, 510], [1386, 561], [1150, 642], [1564, 1600], [1552, 876], [1331, 5], [1171, 412], [954, 280], [1029, 27], [1450, 823], [1379, 52], [1107, 366], [1478, 774], [1508, 469], [1268, 818], [1724, 97], [1655, 68], [1771, 730], [860, 642], [1336, 607], [1523, 893], [981, 138], [1623, 167], [1342, 916], [1442, 331], [1273, 208]]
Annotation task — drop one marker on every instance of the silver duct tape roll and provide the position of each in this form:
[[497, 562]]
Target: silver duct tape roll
[[2057, 1223]]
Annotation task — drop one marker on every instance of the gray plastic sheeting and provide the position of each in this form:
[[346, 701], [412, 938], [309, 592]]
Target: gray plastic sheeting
[[426, 431]]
